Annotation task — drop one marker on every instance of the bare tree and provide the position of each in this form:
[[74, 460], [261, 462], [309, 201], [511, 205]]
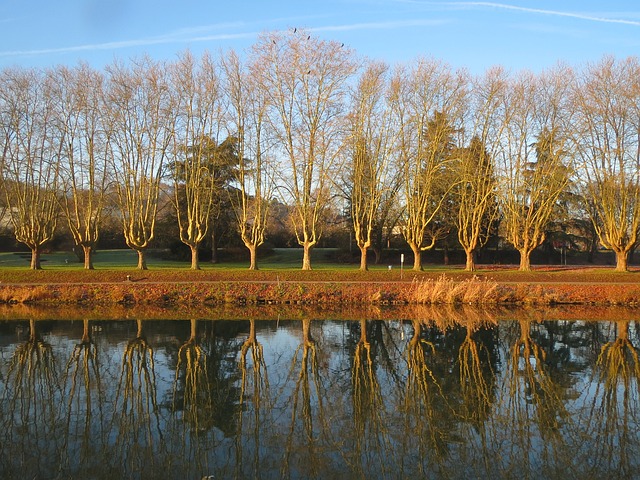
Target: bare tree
[[535, 165], [31, 154], [85, 150], [370, 149], [430, 102], [196, 91], [305, 80], [254, 175], [139, 106], [476, 190], [607, 144]]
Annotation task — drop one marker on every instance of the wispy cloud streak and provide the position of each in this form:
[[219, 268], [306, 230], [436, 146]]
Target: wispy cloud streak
[[378, 25], [192, 35], [125, 44], [540, 11]]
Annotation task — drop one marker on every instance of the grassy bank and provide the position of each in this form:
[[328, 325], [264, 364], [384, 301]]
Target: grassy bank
[[174, 288], [280, 282]]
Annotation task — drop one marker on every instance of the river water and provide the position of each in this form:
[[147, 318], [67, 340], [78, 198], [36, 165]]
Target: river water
[[459, 395]]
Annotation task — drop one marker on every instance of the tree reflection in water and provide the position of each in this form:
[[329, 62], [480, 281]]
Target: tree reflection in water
[[533, 406], [254, 387], [82, 380], [428, 415], [476, 374], [372, 441], [32, 391], [615, 409], [307, 387], [460, 397], [136, 416], [194, 396]]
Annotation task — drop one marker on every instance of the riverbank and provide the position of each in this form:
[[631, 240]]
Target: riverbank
[[557, 286]]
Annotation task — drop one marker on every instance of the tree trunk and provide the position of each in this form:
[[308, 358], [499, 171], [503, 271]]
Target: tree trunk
[[253, 255], [306, 257], [471, 261], [363, 259], [195, 260], [622, 264], [417, 258], [446, 255], [214, 246], [87, 251], [142, 260], [35, 259], [378, 255], [525, 260]]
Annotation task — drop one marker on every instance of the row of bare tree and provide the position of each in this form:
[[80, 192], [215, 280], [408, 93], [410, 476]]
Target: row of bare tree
[[418, 148]]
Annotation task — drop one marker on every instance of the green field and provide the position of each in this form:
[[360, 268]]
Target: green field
[[277, 259], [280, 265]]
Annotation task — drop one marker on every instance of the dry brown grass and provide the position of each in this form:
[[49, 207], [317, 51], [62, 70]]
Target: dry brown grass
[[446, 290]]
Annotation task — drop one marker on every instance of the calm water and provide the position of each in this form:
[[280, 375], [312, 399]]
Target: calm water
[[317, 398]]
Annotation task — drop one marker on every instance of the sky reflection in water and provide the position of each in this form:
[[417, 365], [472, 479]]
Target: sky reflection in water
[[319, 398]]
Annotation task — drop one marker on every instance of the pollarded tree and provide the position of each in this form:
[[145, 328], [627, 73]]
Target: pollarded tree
[[475, 196], [254, 173], [139, 106], [607, 142], [370, 149], [429, 106], [535, 160], [196, 90], [79, 110], [31, 156], [476, 191], [305, 81]]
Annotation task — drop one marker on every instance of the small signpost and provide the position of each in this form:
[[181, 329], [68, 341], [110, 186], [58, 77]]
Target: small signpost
[[401, 264]]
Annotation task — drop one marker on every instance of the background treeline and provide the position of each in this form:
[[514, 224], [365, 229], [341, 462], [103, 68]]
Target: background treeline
[[302, 143]]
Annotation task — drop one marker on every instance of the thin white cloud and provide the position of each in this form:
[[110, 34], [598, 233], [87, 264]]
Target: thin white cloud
[[198, 34], [126, 44], [378, 25], [557, 13]]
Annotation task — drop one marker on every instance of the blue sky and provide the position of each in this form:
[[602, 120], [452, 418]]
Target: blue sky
[[477, 35]]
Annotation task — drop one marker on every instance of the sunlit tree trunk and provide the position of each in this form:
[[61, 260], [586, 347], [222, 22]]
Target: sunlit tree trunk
[[35, 258], [622, 263], [417, 256], [142, 259], [253, 257], [87, 251], [470, 263], [306, 256], [525, 259]]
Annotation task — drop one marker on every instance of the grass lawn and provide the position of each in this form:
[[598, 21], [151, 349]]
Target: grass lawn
[[281, 258], [280, 265]]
